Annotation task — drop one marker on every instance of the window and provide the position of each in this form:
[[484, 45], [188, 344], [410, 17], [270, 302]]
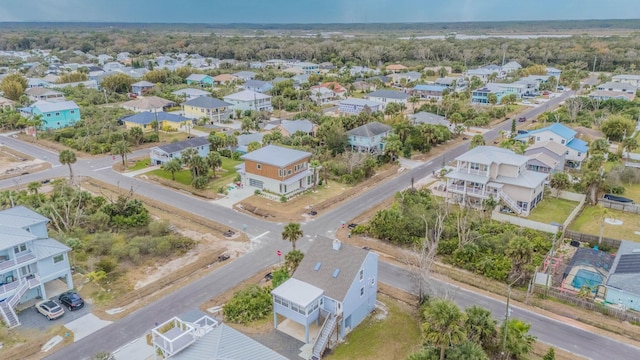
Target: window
[[259, 166], [562, 141], [73, 111], [20, 248], [361, 275], [579, 154], [280, 172], [57, 114], [289, 172], [48, 115], [58, 258], [538, 138], [362, 291]]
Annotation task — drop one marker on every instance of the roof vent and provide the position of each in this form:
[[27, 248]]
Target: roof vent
[[336, 245], [317, 267], [336, 272], [635, 251]]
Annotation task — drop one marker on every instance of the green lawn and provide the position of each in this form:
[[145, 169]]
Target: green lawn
[[170, 137], [140, 164], [393, 337], [551, 209], [589, 222], [632, 192], [222, 177]]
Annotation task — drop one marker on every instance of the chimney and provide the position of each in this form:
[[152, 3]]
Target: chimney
[[336, 244]]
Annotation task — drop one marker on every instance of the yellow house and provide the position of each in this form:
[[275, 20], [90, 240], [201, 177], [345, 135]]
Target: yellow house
[[145, 120], [214, 109]]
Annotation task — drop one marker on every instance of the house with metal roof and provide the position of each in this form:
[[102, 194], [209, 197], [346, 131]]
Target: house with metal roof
[[190, 93], [201, 80], [54, 115], [501, 174], [258, 86], [369, 137], [335, 286], [623, 282], [425, 91], [145, 120], [214, 109], [249, 100], [142, 88], [32, 265], [354, 106], [277, 170], [576, 148], [424, 117], [164, 153], [388, 96]]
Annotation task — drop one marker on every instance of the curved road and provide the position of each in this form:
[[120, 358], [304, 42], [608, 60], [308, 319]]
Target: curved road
[[265, 241]]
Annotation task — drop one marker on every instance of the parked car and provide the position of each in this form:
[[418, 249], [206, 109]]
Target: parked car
[[71, 300], [545, 93], [50, 309], [352, 226], [522, 119]]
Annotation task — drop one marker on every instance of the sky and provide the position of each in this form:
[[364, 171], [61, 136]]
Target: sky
[[313, 11]]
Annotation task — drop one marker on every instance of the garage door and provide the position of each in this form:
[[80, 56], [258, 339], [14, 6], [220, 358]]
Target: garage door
[[256, 183]]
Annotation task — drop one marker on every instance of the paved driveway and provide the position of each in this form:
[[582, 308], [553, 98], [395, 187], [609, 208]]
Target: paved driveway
[[30, 318]]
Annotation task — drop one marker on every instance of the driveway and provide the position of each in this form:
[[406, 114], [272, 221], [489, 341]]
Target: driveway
[[30, 318]]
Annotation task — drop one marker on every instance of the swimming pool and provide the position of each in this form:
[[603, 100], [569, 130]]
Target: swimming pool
[[586, 277]]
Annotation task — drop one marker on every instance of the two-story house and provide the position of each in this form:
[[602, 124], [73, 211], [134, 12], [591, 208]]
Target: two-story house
[[258, 86], [277, 169], [54, 115], [428, 92], [147, 121], [481, 96], [546, 157], [290, 127], [334, 286], [354, 106], [201, 80], [214, 109], [162, 154], [486, 171], [306, 67], [457, 84], [44, 94], [30, 261], [327, 91], [388, 96], [190, 93], [576, 149], [249, 100], [627, 78], [369, 137], [142, 88]]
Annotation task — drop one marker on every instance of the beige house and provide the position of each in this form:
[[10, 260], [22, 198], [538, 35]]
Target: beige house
[[489, 172], [6, 104]]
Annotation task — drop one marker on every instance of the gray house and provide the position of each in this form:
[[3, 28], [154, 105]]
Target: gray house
[[424, 117], [546, 157], [369, 137], [335, 286], [162, 154], [388, 96]]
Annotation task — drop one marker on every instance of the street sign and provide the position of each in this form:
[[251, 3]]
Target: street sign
[[279, 253]]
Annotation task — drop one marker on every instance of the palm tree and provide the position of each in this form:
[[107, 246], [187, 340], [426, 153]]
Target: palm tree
[[137, 134], [121, 148], [517, 341], [173, 166], [443, 324], [33, 187], [480, 326], [292, 232], [292, 260], [467, 351], [214, 160], [198, 166], [68, 157]]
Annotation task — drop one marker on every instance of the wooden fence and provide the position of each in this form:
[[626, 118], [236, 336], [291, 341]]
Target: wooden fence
[[592, 239], [589, 305], [626, 207]]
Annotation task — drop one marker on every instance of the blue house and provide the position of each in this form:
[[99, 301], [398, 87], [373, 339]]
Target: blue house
[[258, 86], [623, 281], [481, 96], [55, 115], [576, 149], [369, 137], [201, 80], [334, 286], [162, 154]]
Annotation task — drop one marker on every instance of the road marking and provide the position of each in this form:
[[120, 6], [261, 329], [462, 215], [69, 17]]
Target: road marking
[[55, 166], [104, 168], [261, 235], [429, 163]]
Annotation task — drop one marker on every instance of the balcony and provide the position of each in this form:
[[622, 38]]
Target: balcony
[[467, 190], [21, 258], [6, 288]]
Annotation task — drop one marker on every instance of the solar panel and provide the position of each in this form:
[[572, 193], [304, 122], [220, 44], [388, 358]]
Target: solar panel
[[628, 263]]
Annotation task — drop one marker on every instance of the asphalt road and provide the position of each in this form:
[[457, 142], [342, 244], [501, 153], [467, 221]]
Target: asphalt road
[[265, 241]]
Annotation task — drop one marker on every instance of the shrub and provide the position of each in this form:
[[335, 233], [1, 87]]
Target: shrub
[[257, 192], [159, 228], [250, 304], [283, 199], [106, 264], [279, 276], [200, 182]]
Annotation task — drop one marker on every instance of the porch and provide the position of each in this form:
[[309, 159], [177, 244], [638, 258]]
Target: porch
[[53, 288], [297, 331]]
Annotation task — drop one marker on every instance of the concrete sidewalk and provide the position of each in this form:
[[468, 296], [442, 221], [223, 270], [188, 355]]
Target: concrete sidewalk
[[141, 171], [235, 196]]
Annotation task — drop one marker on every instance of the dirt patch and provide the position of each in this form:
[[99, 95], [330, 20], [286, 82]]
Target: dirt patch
[[28, 342], [14, 163]]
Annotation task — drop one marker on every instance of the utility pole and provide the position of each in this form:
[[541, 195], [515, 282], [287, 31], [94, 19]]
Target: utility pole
[[506, 322], [551, 253], [594, 63]]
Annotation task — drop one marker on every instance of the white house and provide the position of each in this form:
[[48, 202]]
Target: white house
[[249, 100], [627, 78], [388, 96]]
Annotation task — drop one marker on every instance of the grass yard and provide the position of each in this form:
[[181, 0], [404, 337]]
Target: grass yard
[[589, 222], [394, 336], [632, 192], [169, 137], [551, 209], [139, 165], [223, 177]]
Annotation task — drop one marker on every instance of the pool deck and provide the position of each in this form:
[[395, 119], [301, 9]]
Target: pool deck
[[567, 283]]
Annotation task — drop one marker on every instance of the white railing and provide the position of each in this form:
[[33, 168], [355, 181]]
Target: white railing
[[510, 202], [9, 287], [14, 261], [323, 337], [468, 190]]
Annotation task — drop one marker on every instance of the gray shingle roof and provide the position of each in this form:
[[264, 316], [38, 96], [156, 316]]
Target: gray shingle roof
[[389, 94], [143, 83], [183, 145], [293, 126], [207, 102], [147, 117], [626, 281], [424, 117], [276, 155], [348, 259], [369, 130]]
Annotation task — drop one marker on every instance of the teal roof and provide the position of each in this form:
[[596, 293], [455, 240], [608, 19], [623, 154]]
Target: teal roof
[[562, 130]]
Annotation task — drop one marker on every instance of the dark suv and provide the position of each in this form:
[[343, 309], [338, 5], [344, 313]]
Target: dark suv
[[71, 300]]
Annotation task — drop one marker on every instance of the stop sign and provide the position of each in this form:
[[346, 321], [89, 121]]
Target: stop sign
[[279, 253]]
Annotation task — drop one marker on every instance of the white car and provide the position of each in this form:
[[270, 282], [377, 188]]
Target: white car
[[50, 309]]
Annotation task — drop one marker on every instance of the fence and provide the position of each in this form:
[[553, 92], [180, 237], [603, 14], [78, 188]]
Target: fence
[[627, 207], [496, 215], [589, 305], [592, 239], [580, 198]]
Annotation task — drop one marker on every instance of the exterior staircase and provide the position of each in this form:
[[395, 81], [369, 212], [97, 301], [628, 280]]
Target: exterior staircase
[[329, 326], [510, 202], [6, 307]]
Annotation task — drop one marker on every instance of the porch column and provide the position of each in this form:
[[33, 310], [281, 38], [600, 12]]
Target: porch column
[[69, 280], [43, 292], [275, 320], [306, 333]]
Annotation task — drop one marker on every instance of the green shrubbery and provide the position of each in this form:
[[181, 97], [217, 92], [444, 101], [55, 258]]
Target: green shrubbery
[[251, 304]]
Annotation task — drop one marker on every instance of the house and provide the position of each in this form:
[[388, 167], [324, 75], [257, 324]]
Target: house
[[369, 137], [298, 80], [277, 169], [327, 91], [147, 103], [203, 337], [611, 95], [290, 127], [621, 87], [354, 106], [44, 94], [164, 153], [104, 58], [55, 115], [224, 79], [510, 67], [623, 283], [546, 157], [334, 286], [113, 66], [551, 71], [214, 109], [359, 70], [258, 86], [306, 67], [452, 83], [123, 56], [6, 104], [388, 96], [146, 119], [424, 117], [576, 149], [429, 91], [201, 80], [482, 73], [249, 100], [481, 96], [245, 75], [410, 76], [245, 139], [30, 261], [395, 68], [501, 174], [37, 83], [142, 88], [630, 79], [190, 93]]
